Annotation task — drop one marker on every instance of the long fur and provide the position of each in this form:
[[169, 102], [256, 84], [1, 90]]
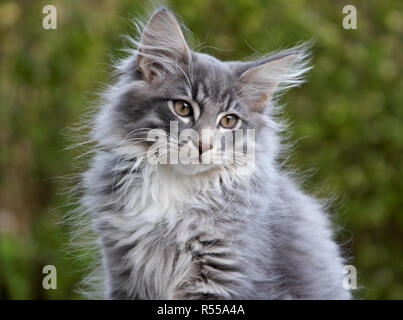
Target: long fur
[[214, 234]]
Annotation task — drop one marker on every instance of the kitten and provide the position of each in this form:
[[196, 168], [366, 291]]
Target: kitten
[[234, 229]]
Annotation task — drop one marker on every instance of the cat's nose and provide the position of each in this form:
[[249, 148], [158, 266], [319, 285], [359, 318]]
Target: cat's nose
[[203, 147]]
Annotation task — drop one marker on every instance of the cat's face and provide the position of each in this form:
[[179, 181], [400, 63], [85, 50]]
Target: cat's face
[[190, 110], [205, 109]]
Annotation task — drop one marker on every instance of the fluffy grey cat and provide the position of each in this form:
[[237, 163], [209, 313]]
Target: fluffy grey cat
[[173, 230]]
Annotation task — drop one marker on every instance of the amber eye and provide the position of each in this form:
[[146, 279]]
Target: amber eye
[[182, 108], [229, 121]]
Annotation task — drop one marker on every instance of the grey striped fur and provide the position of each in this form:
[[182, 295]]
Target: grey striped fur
[[166, 232]]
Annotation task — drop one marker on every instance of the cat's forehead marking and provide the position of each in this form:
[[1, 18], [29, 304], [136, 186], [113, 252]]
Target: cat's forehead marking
[[206, 98], [196, 109], [212, 94], [200, 92], [188, 91], [227, 98]]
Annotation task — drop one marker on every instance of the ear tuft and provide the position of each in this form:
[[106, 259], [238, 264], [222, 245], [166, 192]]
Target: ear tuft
[[260, 80], [162, 46]]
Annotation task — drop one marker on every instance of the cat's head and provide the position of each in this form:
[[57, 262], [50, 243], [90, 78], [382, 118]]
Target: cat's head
[[190, 110]]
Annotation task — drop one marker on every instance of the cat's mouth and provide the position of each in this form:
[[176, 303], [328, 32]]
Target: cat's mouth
[[187, 159]]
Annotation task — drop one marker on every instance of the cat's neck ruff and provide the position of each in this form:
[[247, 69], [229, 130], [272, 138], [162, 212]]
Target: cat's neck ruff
[[158, 192]]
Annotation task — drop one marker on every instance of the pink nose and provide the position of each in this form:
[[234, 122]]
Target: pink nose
[[203, 147]]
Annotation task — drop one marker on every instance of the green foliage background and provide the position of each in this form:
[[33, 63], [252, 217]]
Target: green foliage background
[[347, 119]]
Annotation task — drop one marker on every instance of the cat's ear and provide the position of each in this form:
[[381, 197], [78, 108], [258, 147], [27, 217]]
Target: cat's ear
[[162, 46], [259, 80]]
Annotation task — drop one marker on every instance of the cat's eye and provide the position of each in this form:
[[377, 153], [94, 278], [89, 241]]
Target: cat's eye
[[182, 108], [229, 121]]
